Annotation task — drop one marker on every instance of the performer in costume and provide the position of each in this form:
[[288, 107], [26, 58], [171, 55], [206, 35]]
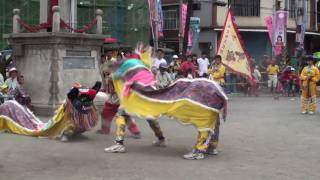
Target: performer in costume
[[123, 118], [217, 71], [183, 100], [75, 116], [111, 108], [309, 77]]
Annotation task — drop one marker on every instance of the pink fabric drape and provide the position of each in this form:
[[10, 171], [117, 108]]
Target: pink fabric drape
[[143, 77]]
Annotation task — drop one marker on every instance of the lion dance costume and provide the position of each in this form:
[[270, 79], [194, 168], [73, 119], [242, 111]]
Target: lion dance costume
[[184, 100], [75, 116]]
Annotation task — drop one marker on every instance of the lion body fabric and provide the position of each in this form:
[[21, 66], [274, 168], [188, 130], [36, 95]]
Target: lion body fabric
[[19, 120], [197, 102]]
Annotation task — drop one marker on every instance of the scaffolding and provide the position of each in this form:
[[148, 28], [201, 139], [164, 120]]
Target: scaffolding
[[29, 12], [125, 20], [122, 19]]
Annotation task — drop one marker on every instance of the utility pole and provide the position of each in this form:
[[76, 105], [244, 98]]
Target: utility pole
[[299, 18], [156, 24], [274, 22], [180, 28], [286, 8]]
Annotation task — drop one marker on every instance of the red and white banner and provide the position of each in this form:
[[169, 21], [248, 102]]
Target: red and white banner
[[152, 5], [184, 9], [268, 21], [234, 56], [151, 16], [160, 19]]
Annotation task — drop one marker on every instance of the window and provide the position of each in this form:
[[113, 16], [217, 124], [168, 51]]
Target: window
[[170, 17], [245, 7], [292, 8], [318, 13]]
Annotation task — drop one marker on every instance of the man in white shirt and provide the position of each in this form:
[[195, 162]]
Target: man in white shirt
[[257, 74], [159, 59], [203, 64]]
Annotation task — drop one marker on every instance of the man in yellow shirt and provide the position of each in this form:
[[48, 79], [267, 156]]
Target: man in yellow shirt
[[309, 77], [217, 71], [273, 71]]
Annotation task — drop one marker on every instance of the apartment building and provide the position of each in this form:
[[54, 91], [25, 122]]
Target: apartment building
[[249, 15]]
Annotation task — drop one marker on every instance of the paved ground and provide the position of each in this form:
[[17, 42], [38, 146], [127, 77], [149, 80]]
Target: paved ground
[[263, 139]]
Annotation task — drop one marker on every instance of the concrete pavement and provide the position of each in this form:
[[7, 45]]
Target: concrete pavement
[[262, 139]]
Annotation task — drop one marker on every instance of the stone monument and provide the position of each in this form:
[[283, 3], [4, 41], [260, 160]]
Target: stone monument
[[52, 61]]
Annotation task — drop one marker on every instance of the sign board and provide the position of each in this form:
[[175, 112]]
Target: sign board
[[194, 32], [78, 62], [78, 53]]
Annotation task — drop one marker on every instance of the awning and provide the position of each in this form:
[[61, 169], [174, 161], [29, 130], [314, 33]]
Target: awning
[[110, 40], [265, 30]]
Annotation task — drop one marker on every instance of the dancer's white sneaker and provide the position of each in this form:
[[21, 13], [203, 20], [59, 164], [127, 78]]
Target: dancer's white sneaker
[[117, 148], [64, 138], [159, 143], [311, 113], [194, 156]]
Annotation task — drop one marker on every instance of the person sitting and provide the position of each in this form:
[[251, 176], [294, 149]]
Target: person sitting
[[12, 81], [291, 81], [20, 94], [173, 73], [189, 74], [163, 77]]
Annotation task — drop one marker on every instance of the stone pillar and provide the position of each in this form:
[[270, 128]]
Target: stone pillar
[[15, 24], [99, 14], [54, 77], [56, 19]]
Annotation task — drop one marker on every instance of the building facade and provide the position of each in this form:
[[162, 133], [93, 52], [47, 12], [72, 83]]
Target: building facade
[[249, 15], [122, 19]]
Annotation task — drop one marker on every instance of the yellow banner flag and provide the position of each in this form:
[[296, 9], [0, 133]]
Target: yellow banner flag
[[233, 54]]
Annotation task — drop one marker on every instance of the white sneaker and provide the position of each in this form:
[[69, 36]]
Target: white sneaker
[[64, 138], [304, 112], [117, 148], [194, 156], [159, 143], [311, 113]]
